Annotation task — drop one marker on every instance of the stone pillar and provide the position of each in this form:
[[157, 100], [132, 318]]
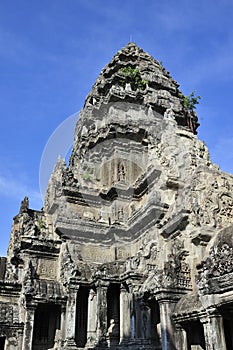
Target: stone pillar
[[132, 317], [124, 315], [63, 324], [145, 321], [71, 318], [101, 313], [91, 319], [20, 339], [214, 331], [138, 324], [28, 327], [167, 329]]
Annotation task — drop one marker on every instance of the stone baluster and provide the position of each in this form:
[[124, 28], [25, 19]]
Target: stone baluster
[[71, 317], [214, 331], [92, 319], [101, 313], [124, 315], [28, 328]]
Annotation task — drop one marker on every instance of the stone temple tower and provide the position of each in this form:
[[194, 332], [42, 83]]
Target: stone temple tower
[[133, 248]]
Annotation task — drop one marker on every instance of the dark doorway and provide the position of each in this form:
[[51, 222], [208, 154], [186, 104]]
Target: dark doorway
[[81, 317], [155, 322], [227, 315], [228, 330], [2, 343], [113, 314], [47, 321], [195, 334]]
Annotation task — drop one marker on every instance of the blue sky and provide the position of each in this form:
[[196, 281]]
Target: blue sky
[[52, 51]]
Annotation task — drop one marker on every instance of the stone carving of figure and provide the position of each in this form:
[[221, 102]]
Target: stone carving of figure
[[207, 206], [69, 179], [218, 263], [68, 266], [225, 214], [120, 171], [29, 279], [120, 214], [112, 333], [28, 224], [169, 113], [173, 170], [128, 87], [11, 273], [135, 261]]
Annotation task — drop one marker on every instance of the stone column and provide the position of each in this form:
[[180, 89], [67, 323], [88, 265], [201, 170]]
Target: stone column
[[63, 324], [20, 339], [101, 313], [124, 315], [145, 321], [167, 330], [132, 317], [71, 317], [132, 312], [91, 319], [28, 327], [138, 319], [214, 331]]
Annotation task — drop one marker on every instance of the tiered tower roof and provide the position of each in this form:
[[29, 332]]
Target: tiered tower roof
[[135, 76]]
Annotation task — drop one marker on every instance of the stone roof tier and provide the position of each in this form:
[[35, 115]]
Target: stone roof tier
[[135, 76]]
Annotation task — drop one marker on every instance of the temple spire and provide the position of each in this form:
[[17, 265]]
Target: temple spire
[[134, 76]]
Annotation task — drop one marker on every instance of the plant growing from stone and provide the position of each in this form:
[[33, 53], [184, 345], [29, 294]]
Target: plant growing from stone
[[41, 225], [190, 101], [88, 174], [133, 77]]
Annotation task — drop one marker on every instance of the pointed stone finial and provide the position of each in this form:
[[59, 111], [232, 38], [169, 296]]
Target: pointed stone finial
[[24, 205]]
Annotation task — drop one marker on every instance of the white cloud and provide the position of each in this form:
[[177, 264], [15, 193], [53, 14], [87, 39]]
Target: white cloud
[[12, 187]]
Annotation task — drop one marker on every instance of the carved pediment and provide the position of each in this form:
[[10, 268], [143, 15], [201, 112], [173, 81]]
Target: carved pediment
[[216, 271]]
